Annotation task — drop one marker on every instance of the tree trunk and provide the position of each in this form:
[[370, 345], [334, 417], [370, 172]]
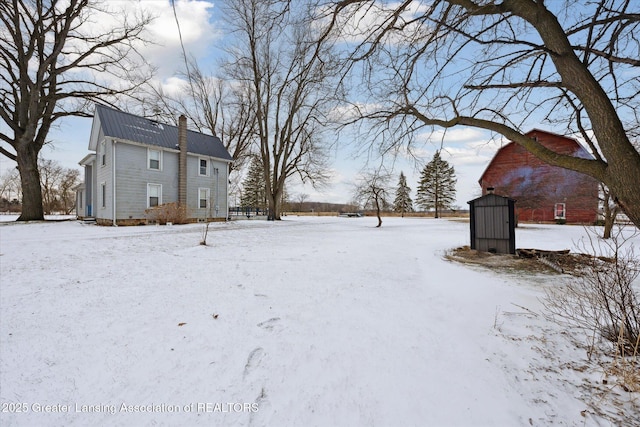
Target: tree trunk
[[629, 198], [610, 215], [378, 213], [608, 225], [274, 206], [27, 158]]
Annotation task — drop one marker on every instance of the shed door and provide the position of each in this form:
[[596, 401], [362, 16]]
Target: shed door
[[492, 222]]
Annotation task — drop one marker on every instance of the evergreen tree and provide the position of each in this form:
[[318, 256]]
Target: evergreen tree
[[437, 187], [403, 202], [253, 186]]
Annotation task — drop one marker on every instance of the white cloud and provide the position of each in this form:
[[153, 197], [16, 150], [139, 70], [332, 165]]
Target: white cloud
[[164, 49], [347, 112], [196, 26], [174, 85]]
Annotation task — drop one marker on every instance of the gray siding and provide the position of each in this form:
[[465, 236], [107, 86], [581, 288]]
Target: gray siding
[[104, 175], [217, 195], [133, 176]]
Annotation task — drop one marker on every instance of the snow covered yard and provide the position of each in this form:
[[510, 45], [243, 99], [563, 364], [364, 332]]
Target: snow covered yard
[[314, 321]]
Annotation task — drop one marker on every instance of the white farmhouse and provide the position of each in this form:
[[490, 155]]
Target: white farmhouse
[[137, 164]]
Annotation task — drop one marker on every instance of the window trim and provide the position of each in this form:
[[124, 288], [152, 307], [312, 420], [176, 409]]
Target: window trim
[[208, 197], [160, 156], [207, 166], [159, 187], [103, 195], [563, 207], [103, 153]]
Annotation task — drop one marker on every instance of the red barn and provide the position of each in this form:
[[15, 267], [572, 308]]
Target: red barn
[[543, 193]]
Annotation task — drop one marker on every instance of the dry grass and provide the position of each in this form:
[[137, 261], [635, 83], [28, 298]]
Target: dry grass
[[626, 369], [572, 264], [499, 262]]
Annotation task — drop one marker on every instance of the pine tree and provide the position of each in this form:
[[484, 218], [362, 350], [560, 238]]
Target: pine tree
[[253, 186], [437, 187], [403, 202]]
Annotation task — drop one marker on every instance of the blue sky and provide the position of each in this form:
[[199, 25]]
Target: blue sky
[[469, 150]]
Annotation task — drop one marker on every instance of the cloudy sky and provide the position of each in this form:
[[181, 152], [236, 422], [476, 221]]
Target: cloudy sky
[[469, 150]]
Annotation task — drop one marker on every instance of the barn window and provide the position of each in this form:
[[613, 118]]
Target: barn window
[[560, 211]]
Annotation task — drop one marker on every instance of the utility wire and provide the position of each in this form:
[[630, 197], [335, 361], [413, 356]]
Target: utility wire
[[184, 52]]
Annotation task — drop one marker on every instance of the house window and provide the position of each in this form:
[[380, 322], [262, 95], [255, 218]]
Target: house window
[[560, 212], [154, 159], [204, 169], [203, 198], [103, 194], [103, 154], [154, 195]]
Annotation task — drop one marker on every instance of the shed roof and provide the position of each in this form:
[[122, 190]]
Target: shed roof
[[129, 127], [491, 200]]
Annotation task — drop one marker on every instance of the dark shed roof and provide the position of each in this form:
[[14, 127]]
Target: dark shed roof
[[491, 200], [121, 125]]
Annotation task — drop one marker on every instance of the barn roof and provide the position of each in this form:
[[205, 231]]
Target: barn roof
[[129, 127], [583, 153]]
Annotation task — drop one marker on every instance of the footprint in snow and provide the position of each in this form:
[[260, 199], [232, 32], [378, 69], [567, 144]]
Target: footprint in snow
[[253, 361], [269, 324]]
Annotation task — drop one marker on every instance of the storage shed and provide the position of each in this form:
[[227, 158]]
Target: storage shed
[[492, 222]]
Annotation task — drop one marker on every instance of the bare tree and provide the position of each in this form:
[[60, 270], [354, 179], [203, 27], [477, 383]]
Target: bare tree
[[300, 198], [57, 183], [55, 60], [505, 66], [50, 175], [10, 185], [66, 190], [372, 192], [212, 105], [284, 63]]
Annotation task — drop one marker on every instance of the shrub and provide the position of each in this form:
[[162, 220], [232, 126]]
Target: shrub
[[602, 300], [168, 212]]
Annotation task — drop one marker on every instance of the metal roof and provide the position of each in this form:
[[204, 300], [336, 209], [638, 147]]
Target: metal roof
[[129, 127]]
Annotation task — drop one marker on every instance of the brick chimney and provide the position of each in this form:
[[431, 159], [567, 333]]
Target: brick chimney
[[182, 161]]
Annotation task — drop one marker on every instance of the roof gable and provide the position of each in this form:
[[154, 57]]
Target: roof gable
[[579, 150], [129, 127]]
